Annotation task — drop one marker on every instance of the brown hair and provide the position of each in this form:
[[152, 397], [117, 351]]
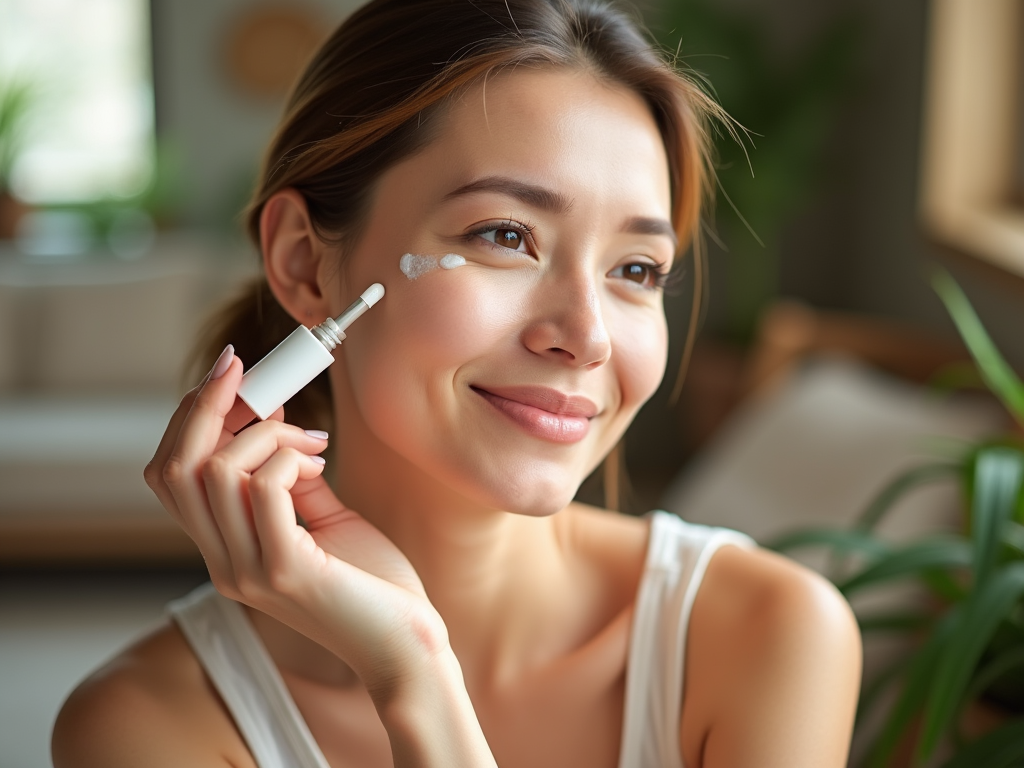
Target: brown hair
[[368, 99]]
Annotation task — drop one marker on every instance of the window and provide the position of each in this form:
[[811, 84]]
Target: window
[[970, 192], [90, 131]]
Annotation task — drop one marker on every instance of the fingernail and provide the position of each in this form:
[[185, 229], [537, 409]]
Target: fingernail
[[319, 434], [319, 460], [223, 362]]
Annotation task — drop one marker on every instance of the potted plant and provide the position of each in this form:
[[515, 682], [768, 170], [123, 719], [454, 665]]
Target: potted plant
[[16, 100], [969, 639]]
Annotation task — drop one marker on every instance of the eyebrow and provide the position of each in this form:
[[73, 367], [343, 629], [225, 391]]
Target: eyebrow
[[538, 197], [555, 202], [645, 225]]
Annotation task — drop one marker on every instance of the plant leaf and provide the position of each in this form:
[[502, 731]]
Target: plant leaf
[[945, 586], [998, 472], [994, 669], [901, 484], [923, 555], [998, 375], [955, 377], [984, 610], [919, 677], [881, 681], [1013, 536], [1001, 748], [895, 622], [838, 538]]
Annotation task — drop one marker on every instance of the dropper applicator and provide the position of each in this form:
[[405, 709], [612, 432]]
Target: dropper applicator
[[297, 360]]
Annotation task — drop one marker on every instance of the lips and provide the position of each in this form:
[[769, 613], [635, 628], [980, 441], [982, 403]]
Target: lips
[[543, 412]]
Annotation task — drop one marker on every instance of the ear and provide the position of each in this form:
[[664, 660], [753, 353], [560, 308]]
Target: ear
[[294, 257]]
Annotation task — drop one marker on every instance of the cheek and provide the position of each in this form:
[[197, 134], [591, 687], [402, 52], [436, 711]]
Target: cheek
[[406, 364], [447, 319], [640, 355]]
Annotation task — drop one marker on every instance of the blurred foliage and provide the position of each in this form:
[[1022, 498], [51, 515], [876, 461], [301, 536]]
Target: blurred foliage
[[17, 99], [136, 217], [788, 104], [970, 636]]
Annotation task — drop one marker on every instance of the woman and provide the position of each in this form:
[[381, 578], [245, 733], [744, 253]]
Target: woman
[[455, 607]]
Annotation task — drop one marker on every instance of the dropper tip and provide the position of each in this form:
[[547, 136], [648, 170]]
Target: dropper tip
[[373, 294]]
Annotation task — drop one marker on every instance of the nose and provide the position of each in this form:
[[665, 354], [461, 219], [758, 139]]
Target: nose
[[568, 324]]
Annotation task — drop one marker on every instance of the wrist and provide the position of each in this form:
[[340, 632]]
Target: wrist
[[434, 676], [410, 662], [430, 718]]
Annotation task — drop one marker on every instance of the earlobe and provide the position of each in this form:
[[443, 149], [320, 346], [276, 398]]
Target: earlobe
[[293, 257]]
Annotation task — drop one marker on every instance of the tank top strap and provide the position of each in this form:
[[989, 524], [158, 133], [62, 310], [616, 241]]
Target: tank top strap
[[240, 668], [678, 554]]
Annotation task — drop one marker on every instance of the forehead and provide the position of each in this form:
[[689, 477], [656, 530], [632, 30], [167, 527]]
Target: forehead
[[563, 129]]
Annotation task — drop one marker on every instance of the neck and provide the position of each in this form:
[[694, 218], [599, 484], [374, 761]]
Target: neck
[[499, 580]]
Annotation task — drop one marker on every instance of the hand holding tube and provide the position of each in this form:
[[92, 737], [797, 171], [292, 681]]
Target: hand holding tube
[[338, 580]]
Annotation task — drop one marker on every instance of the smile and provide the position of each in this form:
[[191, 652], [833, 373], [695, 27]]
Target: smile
[[542, 412]]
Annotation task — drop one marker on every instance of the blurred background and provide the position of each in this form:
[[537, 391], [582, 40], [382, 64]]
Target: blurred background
[[878, 139]]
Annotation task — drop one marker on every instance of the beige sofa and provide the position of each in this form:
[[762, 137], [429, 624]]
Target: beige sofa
[[91, 357]]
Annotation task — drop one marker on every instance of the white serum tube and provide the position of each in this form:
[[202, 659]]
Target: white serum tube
[[298, 359]]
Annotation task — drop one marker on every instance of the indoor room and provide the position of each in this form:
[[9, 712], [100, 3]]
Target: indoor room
[[825, 362]]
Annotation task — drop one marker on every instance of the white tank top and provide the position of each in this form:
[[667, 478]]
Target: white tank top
[[235, 660]]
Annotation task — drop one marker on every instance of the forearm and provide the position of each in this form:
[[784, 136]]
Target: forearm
[[431, 721]]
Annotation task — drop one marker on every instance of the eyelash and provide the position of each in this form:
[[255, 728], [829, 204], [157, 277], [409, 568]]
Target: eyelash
[[524, 229], [663, 278]]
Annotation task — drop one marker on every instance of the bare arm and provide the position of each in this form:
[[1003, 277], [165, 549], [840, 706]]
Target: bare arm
[[337, 580], [788, 661], [150, 706]]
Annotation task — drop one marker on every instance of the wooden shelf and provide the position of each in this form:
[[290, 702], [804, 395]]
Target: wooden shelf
[[92, 539]]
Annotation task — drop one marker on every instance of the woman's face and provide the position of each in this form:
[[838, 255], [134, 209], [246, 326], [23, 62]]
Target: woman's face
[[508, 379]]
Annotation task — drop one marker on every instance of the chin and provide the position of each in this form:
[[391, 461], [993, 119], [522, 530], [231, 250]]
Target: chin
[[539, 507], [533, 494]]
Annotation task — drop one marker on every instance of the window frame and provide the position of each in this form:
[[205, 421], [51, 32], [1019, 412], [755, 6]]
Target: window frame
[[968, 197]]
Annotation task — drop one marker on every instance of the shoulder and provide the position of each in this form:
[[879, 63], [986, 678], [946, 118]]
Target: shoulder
[[773, 662], [150, 705], [759, 589]]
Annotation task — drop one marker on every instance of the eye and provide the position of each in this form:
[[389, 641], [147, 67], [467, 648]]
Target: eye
[[506, 237], [648, 276]]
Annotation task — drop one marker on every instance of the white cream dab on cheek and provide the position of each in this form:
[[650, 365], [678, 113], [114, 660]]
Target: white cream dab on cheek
[[414, 266]]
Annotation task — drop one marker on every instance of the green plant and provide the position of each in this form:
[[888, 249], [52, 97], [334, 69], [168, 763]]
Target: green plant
[[17, 98], [789, 105], [970, 642]]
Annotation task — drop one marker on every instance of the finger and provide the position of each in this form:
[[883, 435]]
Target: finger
[[251, 447], [226, 476], [239, 416], [315, 501], [273, 511], [153, 472], [198, 437], [227, 493], [170, 435]]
